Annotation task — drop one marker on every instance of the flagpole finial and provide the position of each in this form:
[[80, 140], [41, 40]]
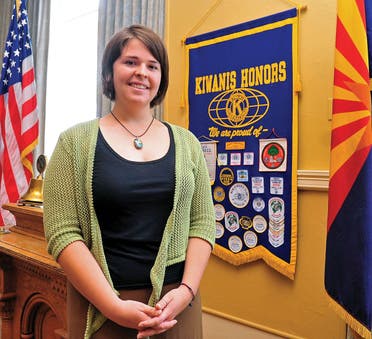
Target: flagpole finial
[[18, 4]]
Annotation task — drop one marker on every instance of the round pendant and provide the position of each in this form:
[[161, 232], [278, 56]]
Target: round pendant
[[137, 143]]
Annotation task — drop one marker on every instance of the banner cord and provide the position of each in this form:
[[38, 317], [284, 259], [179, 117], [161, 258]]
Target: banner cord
[[297, 80], [202, 20], [298, 6]]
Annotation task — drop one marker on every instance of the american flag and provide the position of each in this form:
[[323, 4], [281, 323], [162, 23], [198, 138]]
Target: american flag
[[19, 127]]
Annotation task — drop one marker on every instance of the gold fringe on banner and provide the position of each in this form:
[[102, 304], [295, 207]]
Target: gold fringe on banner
[[257, 253], [350, 320]]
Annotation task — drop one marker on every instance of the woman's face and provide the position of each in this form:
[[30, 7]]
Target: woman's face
[[136, 74]]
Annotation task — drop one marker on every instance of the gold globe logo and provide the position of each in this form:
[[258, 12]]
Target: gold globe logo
[[238, 108]]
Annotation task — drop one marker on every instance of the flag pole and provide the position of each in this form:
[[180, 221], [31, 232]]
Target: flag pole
[[18, 3]]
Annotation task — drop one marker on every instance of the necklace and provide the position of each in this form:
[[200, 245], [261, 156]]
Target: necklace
[[137, 142]]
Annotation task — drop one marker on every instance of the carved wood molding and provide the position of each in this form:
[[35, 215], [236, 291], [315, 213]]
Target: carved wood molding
[[36, 312], [7, 302], [6, 276], [57, 282], [7, 288], [32, 285], [313, 180]]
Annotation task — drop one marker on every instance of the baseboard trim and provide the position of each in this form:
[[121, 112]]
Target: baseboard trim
[[248, 323]]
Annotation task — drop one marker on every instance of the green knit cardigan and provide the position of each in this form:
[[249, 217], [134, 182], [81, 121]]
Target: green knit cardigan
[[69, 213]]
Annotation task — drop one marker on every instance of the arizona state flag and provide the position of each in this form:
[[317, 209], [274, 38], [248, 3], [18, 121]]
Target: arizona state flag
[[348, 271]]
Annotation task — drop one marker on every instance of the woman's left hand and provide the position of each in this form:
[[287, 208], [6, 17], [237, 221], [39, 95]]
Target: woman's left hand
[[172, 304]]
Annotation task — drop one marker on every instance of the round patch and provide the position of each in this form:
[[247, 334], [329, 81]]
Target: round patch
[[235, 244], [273, 155], [231, 221], [226, 176], [258, 204], [259, 223], [220, 230], [218, 193], [219, 211], [250, 239], [245, 222], [239, 195]]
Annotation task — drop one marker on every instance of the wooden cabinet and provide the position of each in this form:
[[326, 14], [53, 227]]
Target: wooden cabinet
[[32, 284]]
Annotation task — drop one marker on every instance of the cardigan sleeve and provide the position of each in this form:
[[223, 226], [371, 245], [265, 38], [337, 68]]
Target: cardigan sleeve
[[61, 224], [203, 223]]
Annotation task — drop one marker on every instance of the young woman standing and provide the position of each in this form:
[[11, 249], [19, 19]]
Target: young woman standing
[[128, 212]]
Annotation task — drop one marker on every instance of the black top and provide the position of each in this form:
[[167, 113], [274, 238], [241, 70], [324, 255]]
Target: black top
[[133, 201]]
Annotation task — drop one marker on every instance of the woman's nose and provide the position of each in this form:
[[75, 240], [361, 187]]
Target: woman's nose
[[141, 70]]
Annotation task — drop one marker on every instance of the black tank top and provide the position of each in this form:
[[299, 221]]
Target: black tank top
[[133, 201]]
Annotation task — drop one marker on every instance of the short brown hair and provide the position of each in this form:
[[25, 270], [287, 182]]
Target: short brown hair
[[113, 51]]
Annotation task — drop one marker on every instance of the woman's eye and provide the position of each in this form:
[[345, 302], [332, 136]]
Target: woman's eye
[[153, 67], [129, 62]]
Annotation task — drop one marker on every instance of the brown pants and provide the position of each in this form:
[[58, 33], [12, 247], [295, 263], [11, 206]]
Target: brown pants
[[189, 322]]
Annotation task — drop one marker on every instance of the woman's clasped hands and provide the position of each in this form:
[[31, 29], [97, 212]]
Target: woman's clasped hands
[[165, 311]]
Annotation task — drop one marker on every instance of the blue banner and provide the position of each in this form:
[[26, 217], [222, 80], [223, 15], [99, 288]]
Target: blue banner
[[242, 106]]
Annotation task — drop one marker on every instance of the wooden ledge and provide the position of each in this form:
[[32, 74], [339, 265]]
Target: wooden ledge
[[26, 248], [26, 240], [29, 220]]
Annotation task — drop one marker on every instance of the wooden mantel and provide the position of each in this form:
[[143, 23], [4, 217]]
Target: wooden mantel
[[32, 284], [29, 220]]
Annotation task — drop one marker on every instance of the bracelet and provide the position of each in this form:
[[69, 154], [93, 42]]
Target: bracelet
[[190, 290]]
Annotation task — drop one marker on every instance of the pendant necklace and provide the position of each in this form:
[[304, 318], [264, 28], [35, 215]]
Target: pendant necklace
[[137, 142]]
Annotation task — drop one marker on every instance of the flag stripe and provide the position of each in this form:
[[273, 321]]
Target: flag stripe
[[28, 78], [342, 133], [340, 93], [346, 174], [342, 152], [14, 120], [340, 106], [341, 79], [347, 48], [341, 119]]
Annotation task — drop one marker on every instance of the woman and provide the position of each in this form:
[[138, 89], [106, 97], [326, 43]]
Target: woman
[[128, 212]]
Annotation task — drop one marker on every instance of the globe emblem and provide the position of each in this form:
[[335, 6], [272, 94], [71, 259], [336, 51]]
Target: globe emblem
[[238, 108]]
